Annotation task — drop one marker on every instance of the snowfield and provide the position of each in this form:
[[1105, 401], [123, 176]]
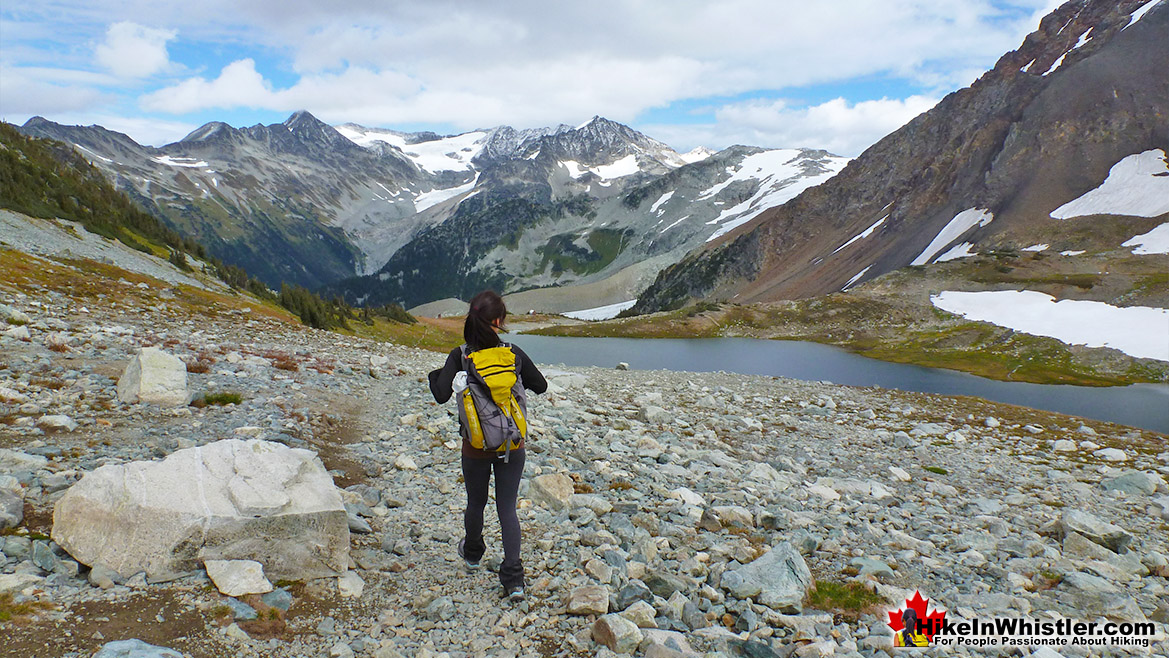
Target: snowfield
[[1137, 186], [1139, 331], [601, 312]]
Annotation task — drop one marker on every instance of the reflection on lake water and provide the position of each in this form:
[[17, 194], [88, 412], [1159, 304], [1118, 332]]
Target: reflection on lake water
[[1142, 405]]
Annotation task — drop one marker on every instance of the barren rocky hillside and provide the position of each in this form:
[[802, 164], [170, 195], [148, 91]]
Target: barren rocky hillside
[[664, 514]]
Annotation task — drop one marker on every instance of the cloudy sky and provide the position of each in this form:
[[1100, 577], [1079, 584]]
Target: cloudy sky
[[834, 74]]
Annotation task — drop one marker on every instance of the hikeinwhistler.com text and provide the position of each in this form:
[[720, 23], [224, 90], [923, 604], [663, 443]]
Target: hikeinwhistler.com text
[[1019, 632]]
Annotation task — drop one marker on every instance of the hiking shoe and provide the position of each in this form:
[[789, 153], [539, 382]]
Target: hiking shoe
[[516, 594], [471, 566]]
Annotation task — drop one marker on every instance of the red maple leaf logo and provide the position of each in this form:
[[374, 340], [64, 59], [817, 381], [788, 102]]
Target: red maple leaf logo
[[931, 622]]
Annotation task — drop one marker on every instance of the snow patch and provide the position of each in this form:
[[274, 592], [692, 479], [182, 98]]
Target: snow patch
[[698, 154], [1056, 64], [865, 233], [601, 312], [435, 197], [99, 157], [661, 201], [1155, 241], [856, 278], [959, 251], [623, 167], [1037, 247], [179, 162], [1138, 331], [1140, 13], [679, 221], [1137, 186], [962, 222], [1076, 252]]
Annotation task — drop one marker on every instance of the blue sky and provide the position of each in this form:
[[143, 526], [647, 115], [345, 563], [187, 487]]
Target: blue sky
[[837, 74]]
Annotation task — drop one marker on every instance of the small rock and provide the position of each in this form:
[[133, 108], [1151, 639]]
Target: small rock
[[617, 633], [552, 490], [1063, 445], [278, 598], [1111, 454], [135, 649], [237, 577], [588, 600], [1107, 535], [57, 422], [1132, 483], [350, 585]]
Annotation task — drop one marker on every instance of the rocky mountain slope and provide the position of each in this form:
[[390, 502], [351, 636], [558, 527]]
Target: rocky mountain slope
[[659, 511], [1079, 108], [422, 214]]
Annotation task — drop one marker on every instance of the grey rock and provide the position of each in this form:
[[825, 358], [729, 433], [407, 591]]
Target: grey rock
[[1107, 535], [358, 525], [279, 598], [617, 633], [17, 547], [240, 611], [135, 649], [1088, 584], [104, 577], [632, 592], [11, 502], [664, 584], [588, 600], [43, 556], [780, 577], [1133, 483], [872, 567], [441, 609]]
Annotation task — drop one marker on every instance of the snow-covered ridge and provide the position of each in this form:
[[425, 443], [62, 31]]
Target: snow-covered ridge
[[783, 173], [1155, 241], [445, 154]]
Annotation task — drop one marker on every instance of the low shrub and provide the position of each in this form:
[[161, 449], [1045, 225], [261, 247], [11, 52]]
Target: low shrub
[[221, 398]]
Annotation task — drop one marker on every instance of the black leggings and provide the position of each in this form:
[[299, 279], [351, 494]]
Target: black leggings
[[477, 476]]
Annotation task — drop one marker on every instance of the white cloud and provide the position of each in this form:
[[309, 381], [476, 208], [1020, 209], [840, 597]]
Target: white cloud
[[531, 63], [838, 126], [25, 92], [133, 51]]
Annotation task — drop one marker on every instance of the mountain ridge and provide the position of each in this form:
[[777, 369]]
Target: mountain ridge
[[989, 146]]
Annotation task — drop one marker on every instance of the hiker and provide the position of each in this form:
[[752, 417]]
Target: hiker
[[485, 319], [909, 635]]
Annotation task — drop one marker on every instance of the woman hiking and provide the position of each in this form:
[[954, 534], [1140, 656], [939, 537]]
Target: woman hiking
[[485, 319]]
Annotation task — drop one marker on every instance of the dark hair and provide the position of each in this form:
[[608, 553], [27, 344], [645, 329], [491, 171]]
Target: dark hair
[[486, 308], [911, 622]]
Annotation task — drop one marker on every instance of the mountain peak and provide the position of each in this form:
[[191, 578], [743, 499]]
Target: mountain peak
[[304, 119], [208, 131]]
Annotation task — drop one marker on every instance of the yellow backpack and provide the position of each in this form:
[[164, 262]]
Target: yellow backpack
[[493, 406]]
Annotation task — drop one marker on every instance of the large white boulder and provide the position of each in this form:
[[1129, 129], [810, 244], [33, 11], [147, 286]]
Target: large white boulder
[[228, 500], [154, 376]]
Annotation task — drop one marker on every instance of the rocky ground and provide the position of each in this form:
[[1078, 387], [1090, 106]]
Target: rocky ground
[[645, 494]]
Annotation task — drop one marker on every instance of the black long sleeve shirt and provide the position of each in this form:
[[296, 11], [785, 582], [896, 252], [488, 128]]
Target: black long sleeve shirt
[[441, 380]]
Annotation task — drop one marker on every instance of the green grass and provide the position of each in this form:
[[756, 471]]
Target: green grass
[[847, 597], [936, 469], [221, 399]]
